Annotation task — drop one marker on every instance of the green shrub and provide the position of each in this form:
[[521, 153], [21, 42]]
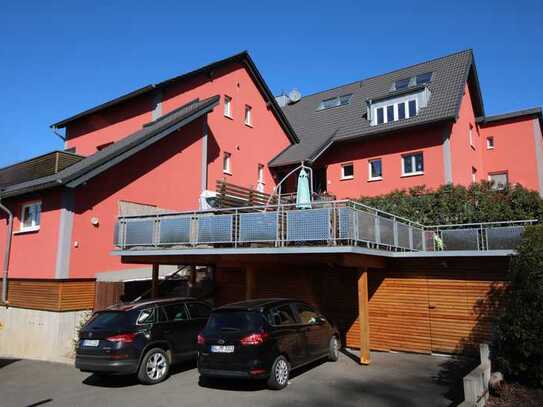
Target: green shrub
[[518, 343], [459, 204]]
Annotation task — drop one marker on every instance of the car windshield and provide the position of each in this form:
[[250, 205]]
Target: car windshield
[[235, 321], [112, 319]]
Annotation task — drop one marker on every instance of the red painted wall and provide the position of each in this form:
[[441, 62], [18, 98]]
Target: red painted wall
[[249, 146], [167, 174], [109, 125], [33, 254], [514, 150], [466, 156], [390, 149]]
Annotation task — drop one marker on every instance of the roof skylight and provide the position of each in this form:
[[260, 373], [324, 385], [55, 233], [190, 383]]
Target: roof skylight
[[416, 80], [335, 102]]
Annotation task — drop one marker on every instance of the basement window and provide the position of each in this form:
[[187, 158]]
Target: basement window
[[30, 217]]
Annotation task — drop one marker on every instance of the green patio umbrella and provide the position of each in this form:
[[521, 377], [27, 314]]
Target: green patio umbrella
[[303, 194]]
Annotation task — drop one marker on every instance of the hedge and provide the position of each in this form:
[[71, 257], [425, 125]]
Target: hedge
[[518, 343], [459, 204]]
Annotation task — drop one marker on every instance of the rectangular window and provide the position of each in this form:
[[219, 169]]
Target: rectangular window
[[226, 165], [390, 113], [473, 174], [412, 108], [401, 111], [413, 164], [470, 136], [248, 115], [227, 106], [30, 216], [499, 180], [380, 115], [375, 169], [260, 178], [347, 171], [490, 143]]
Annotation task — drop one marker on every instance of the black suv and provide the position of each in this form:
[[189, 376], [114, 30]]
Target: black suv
[[264, 339], [143, 338]]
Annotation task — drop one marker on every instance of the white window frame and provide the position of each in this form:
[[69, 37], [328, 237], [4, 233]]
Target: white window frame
[[343, 176], [470, 136], [395, 102], [494, 186], [413, 164], [473, 174], [248, 119], [35, 221], [227, 106], [260, 178], [227, 163], [490, 143], [370, 175]]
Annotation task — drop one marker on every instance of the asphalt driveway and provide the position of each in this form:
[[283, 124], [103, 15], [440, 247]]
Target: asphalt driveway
[[393, 379]]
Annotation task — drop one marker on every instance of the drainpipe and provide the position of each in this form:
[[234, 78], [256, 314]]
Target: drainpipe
[[6, 253]]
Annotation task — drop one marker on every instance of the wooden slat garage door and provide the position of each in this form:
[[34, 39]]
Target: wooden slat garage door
[[432, 306]]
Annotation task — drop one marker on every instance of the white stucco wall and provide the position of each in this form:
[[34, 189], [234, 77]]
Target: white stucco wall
[[44, 335]]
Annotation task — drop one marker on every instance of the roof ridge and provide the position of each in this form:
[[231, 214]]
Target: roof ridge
[[470, 50]]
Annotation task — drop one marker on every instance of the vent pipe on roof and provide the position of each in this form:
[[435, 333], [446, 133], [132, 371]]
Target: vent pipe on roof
[[6, 254]]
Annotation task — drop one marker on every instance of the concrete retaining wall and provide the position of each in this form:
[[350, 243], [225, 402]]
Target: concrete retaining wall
[[43, 335]]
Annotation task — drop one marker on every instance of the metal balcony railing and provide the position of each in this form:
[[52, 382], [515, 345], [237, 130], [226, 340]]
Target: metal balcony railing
[[327, 223]]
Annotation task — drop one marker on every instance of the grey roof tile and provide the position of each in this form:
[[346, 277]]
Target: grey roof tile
[[315, 128]]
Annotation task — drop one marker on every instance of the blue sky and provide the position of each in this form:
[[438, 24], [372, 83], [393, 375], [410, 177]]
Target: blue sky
[[58, 58]]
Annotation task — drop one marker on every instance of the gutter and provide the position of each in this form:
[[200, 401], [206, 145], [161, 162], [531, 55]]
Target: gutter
[[7, 253]]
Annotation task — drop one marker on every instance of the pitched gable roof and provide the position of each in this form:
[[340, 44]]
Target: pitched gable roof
[[319, 129], [242, 57], [116, 153]]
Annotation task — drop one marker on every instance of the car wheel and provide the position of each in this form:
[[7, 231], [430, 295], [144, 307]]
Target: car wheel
[[279, 374], [154, 367], [333, 349]]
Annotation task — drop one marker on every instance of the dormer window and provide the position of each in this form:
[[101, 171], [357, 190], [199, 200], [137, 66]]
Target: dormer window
[[391, 109], [394, 110], [417, 80], [335, 102]]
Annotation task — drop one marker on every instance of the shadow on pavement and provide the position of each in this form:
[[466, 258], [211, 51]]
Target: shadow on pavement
[[251, 385], [451, 375], [40, 403], [104, 380], [6, 362]]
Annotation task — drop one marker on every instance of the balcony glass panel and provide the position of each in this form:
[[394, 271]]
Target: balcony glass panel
[[175, 230], [504, 237], [308, 224], [215, 228], [460, 239], [139, 232], [258, 227]]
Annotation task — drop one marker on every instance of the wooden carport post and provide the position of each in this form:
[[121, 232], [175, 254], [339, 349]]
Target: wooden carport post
[[363, 316], [155, 292], [250, 282]]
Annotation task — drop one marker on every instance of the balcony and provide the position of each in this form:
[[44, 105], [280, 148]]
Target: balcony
[[327, 225]]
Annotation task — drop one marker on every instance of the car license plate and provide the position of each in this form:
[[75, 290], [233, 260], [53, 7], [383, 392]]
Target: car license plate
[[90, 342], [222, 349]]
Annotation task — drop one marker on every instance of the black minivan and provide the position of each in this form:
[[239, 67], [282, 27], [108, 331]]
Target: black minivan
[[264, 339], [144, 338]]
